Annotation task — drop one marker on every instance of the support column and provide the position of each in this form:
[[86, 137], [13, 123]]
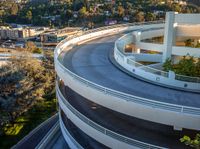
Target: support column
[[138, 39], [169, 35]]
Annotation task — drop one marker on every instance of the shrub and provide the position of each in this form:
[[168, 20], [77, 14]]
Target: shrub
[[195, 143], [37, 50], [168, 65], [187, 66]]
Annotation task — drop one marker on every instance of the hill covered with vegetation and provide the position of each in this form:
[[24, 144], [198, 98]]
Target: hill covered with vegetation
[[27, 96], [62, 13]]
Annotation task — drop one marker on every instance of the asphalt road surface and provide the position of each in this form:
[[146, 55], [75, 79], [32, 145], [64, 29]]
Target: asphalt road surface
[[91, 61]]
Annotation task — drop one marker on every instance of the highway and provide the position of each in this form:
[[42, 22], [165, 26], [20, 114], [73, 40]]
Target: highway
[[91, 61]]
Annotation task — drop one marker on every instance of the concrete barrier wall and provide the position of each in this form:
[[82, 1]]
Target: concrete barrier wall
[[176, 50], [188, 31], [72, 143], [149, 73], [182, 51], [152, 33], [100, 137], [187, 18], [130, 106], [106, 137], [148, 57]]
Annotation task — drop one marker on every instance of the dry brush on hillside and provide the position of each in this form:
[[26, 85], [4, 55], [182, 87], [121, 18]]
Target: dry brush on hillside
[[24, 82]]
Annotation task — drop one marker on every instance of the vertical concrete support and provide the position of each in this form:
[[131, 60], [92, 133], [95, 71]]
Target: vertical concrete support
[[172, 75], [134, 42], [169, 35], [138, 39], [138, 36], [138, 50]]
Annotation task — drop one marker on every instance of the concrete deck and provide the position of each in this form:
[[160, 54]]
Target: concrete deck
[[91, 61]]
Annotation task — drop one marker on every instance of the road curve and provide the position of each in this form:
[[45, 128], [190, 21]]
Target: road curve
[[91, 61], [141, 130]]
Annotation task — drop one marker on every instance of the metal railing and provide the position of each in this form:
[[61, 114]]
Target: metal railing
[[68, 134], [187, 78], [106, 28], [127, 97], [104, 130], [48, 137], [33, 132], [120, 52], [133, 63]]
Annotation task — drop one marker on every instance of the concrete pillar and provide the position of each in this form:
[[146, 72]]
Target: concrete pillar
[[138, 39], [172, 75], [138, 50], [169, 36], [138, 36]]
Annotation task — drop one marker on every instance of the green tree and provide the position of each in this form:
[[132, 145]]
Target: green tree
[[176, 7], [150, 16], [139, 16], [121, 11], [195, 143], [37, 50], [198, 68], [83, 12], [14, 9], [186, 66], [168, 65], [29, 15]]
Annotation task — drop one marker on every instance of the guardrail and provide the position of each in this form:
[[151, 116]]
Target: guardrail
[[48, 137], [68, 134], [27, 137], [104, 130], [127, 97], [107, 27], [133, 63], [187, 78]]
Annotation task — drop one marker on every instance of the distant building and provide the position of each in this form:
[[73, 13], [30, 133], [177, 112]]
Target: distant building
[[19, 34], [54, 37], [110, 22]]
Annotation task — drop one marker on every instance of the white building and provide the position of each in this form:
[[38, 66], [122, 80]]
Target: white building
[[102, 106]]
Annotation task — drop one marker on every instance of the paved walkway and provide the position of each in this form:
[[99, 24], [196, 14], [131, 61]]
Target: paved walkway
[[91, 61]]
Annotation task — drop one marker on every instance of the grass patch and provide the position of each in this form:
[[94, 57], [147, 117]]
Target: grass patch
[[28, 121]]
